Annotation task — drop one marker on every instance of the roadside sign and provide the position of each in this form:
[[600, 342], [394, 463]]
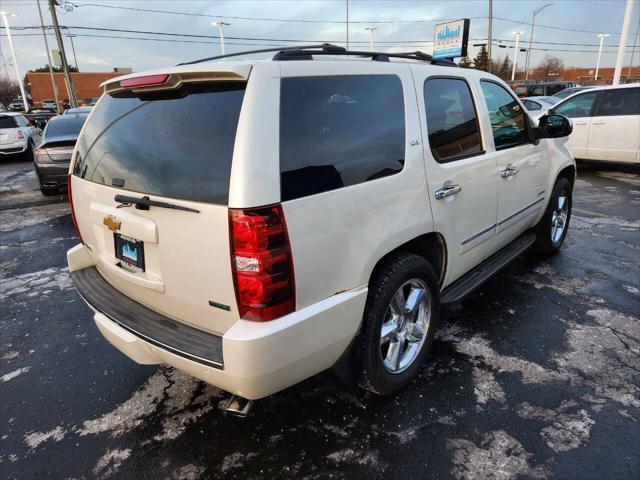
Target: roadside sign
[[451, 39], [55, 57]]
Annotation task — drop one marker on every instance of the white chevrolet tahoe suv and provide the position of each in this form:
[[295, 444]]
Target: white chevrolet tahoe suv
[[254, 223]]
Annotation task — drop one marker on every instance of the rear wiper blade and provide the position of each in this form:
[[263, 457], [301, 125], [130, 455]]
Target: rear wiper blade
[[143, 203]]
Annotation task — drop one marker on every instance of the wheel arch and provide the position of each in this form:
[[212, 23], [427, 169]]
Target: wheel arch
[[431, 246]]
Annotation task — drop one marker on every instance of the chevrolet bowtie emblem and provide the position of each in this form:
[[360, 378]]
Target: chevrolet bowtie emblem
[[111, 223]]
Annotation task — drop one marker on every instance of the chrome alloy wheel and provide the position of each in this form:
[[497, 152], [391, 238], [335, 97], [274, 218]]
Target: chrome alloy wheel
[[405, 326], [559, 217]]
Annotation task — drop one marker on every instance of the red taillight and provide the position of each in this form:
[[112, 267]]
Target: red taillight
[[145, 81], [262, 263], [73, 213]]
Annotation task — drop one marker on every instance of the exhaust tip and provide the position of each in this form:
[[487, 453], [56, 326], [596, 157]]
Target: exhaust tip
[[236, 405]]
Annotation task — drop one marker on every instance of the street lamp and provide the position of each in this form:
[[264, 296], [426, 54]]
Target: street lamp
[[73, 48], [602, 37], [515, 55], [533, 23], [4, 16], [371, 30], [221, 26]]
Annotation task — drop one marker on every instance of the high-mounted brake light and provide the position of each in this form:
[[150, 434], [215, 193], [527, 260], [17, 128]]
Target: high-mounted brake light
[[262, 263], [145, 81], [73, 213]]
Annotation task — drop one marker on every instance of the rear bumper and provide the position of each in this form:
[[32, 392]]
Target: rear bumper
[[252, 359], [13, 148], [53, 174]]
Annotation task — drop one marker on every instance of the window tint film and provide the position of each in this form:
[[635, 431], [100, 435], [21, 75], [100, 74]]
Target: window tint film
[[8, 122], [578, 106], [451, 119], [337, 131], [176, 144], [508, 120], [625, 101], [530, 105]]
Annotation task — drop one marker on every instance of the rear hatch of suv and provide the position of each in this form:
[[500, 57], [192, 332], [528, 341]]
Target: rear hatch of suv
[[171, 148]]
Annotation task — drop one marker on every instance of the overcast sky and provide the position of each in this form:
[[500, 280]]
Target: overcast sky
[[401, 22]]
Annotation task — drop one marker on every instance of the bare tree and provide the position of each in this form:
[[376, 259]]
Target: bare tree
[[550, 68], [8, 91]]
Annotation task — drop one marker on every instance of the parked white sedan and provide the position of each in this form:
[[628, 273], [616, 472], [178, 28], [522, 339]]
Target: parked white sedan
[[606, 123]]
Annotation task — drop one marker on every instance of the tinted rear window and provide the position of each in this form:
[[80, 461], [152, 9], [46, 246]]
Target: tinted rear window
[[8, 122], [175, 144], [337, 131], [65, 126]]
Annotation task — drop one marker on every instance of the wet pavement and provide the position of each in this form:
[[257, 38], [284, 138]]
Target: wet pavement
[[536, 375]]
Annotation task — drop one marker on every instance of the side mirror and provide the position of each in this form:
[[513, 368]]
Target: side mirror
[[553, 125]]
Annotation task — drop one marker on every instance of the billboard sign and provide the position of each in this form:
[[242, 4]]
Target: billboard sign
[[451, 39]]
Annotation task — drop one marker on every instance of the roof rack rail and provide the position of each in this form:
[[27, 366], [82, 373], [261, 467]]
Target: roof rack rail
[[306, 52]]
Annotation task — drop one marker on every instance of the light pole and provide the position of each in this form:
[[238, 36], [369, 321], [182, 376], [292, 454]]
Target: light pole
[[46, 46], [533, 23], [221, 26], [623, 42], [602, 37], [73, 48], [515, 55], [4, 16], [371, 30], [63, 56], [490, 36]]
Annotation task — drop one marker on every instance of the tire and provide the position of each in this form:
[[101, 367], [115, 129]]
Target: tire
[[557, 216], [380, 372], [49, 191], [27, 155]]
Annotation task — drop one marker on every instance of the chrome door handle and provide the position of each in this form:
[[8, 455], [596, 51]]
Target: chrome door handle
[[598, 123], [447, 191], [509, 172], [580, 123]]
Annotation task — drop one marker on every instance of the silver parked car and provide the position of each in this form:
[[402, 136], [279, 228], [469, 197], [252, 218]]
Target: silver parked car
[[17, 135]]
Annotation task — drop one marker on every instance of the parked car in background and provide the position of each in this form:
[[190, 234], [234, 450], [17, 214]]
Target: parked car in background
[[53, 155], [40, 116], [78, 110], [606, 123], [50, 104], [538, 106], [199, 193], [90, 101], [17, 105], [17, 135], [562, 94], [66, 104], [541, 89]]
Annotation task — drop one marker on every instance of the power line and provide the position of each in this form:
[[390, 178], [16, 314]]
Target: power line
[[297, 20], [379, 44]]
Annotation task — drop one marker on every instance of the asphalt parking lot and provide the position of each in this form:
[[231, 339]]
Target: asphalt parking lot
[[536, 375]]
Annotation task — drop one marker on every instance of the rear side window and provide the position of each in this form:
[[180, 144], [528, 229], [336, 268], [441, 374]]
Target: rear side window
[[531, 105], [337, 131], [508, 120], [452, 122], [176, 144], [624, 101], [8, 122], [578, 106]]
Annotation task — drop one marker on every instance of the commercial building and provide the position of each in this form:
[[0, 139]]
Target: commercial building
[[585, 76], [86, 85]]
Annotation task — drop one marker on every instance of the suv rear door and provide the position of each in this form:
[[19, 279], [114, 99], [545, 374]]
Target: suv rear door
[[614, 133], [460, 176], [173, 146]]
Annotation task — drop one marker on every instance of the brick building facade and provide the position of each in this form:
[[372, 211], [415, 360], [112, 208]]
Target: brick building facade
[[86, 85], [585, 76]]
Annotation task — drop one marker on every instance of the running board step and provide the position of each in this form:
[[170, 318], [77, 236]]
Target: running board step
[[487, 269]]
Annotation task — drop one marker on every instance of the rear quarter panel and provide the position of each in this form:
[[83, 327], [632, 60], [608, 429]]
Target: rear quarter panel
[[337, 237]]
